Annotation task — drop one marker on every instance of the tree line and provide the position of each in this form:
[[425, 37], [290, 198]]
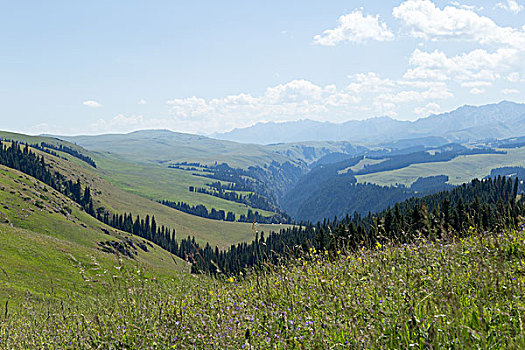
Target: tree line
[[214, 214], [482, 205], [70, 151], [200, 210], [251, 199], [21, 158], [492, 204]]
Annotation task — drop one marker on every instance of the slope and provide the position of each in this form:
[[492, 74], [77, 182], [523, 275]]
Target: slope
[[51, 248], [376, 182], [120, 201], [153, 164]]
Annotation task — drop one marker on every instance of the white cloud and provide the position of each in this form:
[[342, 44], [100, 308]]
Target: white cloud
[[510, 5], [514, 77], [467, 7], [120, 123], [475, 65], [477, 91], [427, 21], [92, 104], [417, 96], [300, 99], [386, 108], [510, 91], [369, 82], [355, 27], [473, 84], [294, 100], [143, 102], [431, 108]]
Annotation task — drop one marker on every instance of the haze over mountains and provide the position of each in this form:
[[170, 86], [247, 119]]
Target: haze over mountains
[[312, 170], [465, 124]]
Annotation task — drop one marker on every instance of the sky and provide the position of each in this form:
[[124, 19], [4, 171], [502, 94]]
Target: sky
[[94, 67]]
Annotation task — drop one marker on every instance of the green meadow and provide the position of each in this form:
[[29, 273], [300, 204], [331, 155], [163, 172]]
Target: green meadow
[[460, 169], [458, 294], [46, 238]]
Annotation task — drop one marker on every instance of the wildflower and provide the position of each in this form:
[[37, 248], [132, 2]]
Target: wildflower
[[231, 280]]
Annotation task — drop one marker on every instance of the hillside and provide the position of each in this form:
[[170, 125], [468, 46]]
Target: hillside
[[372, 183], [117, 200], [52, 249], [408, 275], [163, 165], [465, 124], [319, 179], [164, 147], [466, 293]]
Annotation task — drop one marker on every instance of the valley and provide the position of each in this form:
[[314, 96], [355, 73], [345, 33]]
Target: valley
[[262, 175], [242, 208]]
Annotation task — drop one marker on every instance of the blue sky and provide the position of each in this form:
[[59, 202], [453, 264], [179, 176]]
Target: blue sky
[[71, 67]]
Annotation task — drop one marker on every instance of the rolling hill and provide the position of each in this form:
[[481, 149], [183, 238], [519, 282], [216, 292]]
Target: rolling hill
[[117, 200], [372, 183], [50, 248], [165, 147], [151, 164]]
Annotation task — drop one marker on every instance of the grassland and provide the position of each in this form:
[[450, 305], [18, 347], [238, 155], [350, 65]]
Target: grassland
[[163, 146], [143, 175], [467, 293], [117, 200], [459, 170], [158, 182], [363, 163], [217, 233], [46, 239], [38, 139]]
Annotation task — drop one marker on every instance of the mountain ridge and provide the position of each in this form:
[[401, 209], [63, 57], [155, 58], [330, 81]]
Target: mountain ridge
[[464, 124]]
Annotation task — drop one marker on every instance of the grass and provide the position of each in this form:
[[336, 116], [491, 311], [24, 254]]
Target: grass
[[158, 182], [363, 163], [125, 187], [217, 233], [468, 293], [459, 170], [162, 147], [45, 237], [38, 139]]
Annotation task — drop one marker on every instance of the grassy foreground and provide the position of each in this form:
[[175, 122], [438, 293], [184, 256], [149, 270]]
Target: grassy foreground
[[463, 294]]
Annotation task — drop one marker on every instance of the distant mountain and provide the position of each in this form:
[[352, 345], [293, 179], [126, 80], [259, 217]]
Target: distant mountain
[[465, 124], [164, 147], [309, 130]]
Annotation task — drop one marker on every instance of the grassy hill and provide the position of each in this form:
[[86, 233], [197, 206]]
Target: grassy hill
[[163, 146], [463, 294], [5, 135], [117, 200], [51, 248], [459, 170], [139, 162], [158, 182]]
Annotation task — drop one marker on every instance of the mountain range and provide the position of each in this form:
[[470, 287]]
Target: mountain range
[[465, 124]]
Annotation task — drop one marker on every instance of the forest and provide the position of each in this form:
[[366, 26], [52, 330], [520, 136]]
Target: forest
[[483, 205]]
